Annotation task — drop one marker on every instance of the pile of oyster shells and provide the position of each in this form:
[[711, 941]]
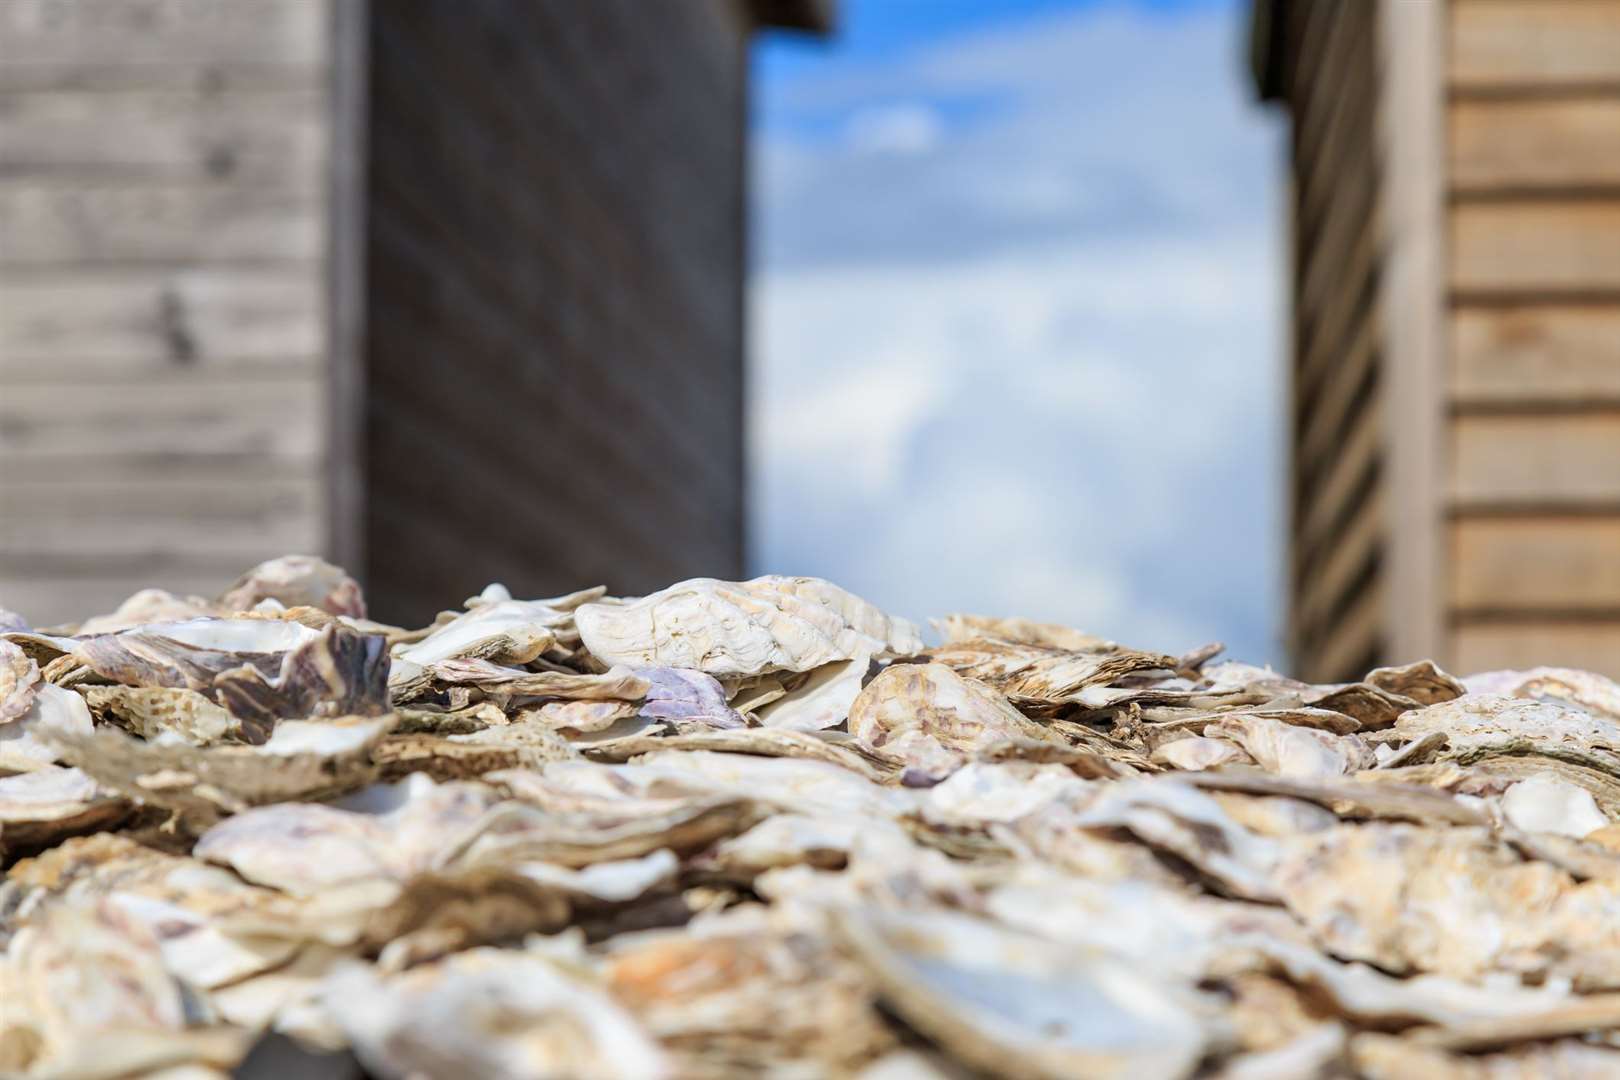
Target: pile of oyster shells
[[752, 827]]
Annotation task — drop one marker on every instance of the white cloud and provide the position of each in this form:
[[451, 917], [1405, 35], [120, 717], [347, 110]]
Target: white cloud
[[1030, 368], [894, 129]]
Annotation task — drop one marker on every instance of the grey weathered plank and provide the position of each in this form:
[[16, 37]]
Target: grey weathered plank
[[169, 418], [82, 322], [71, 33], [83, 222], [198, 135]]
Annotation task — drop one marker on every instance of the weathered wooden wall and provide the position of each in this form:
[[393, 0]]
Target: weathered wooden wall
[[1337, 482], [163, 324], [1533, 390], [554, 268], [1456, 442]]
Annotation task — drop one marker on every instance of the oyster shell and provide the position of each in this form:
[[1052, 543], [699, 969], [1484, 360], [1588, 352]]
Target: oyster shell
[[744, 628], [1032, 852], [934, 718], [744, 994], [43, 806], [162, 712], [821, 701], [147, 607], [683, 694], [492, 1013], [1582, 689], [300, 760], [1011, 1004], [1544, 803], [503, 631], [297, 581], [29, 742], [258, 670], [959, 628], [1292, 750], [1482, 722], [86, 993], [1043, 673], [18, 674]]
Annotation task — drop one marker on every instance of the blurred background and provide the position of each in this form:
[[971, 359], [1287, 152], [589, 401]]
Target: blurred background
[[1289, 323]]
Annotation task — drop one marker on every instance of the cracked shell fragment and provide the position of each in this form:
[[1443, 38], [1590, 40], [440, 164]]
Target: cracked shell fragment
[[729, 629]]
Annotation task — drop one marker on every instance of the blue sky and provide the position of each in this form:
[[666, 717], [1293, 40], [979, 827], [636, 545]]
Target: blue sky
[[1014, 316]]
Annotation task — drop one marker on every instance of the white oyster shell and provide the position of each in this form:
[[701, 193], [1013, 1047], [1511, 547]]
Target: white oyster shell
[[1016, 1005], [729, 629], [489, 1013], [1546, 804]]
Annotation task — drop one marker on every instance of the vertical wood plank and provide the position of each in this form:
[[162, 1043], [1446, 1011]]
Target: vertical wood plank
[[345, 466], [1412, 39]]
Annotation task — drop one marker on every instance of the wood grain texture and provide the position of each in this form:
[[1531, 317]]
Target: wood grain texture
[[1338, 230], [1556, 248], [345, 284], [1357, 547], [1530, 354], [199, 135], [180, 415], [163, 313], [1412, 300], [132, 33], [1535, 563], [1534, 145], [1355, 643], [1551, 460], [66, 221], [1490, 646], [570, 347], [132, 323], [1506, 43]]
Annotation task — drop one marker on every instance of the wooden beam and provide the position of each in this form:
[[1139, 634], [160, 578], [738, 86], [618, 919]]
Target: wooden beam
[[1330, 499], [1412, 144], [346, 288], [1354, 547], [1353, 641]]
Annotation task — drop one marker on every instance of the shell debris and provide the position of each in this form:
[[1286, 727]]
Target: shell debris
[[763, 827]]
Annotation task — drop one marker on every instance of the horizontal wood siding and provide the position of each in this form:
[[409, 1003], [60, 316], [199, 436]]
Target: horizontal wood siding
[[1338, 528], [1534, 359], [1528, 354], [163, 330], [554, 265]]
